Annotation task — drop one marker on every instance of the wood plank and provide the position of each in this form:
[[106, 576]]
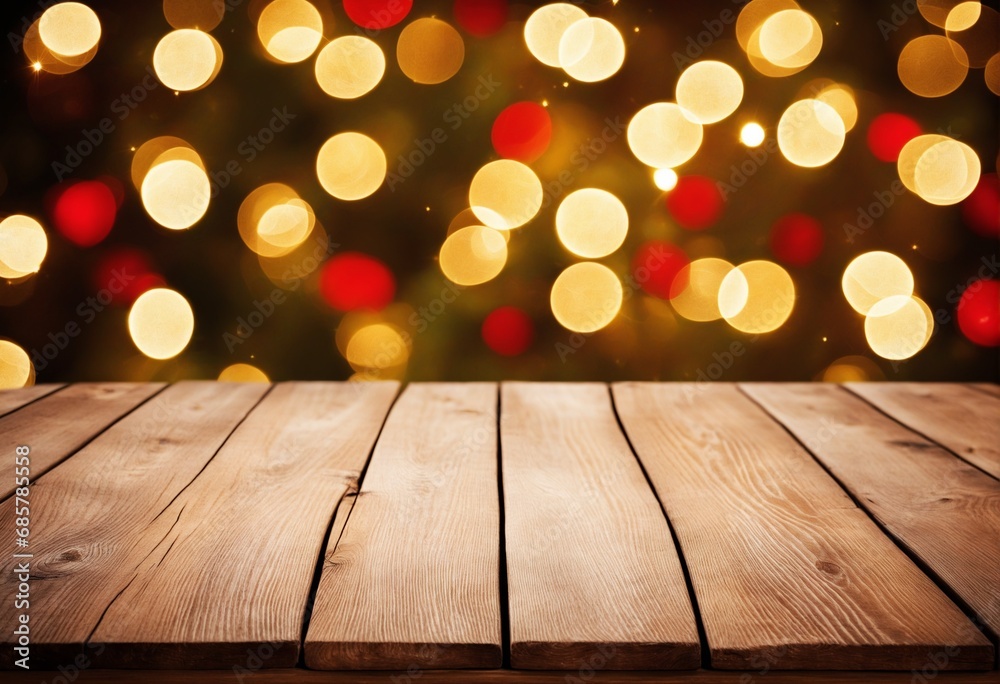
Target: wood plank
[[760, 675], [988, 387], [786, 569], [232, 574], [56, 426], [592, 569], [956, 417], [12, 400], [95, 517], [944, 511], [414, 580]]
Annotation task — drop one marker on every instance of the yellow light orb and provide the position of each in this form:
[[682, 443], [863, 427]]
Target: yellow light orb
[[290, 30], [811, 133], [992, 74], [695, 290], [946, 173], [349, 67], [754, 14], [665, 179], [242, 372], [69, 29], [473, 255], [545, 28], [898, 327], [505, 194], [187, 59], [932, 66], [936, 11], [963, 16], [430, 51], [377, 346], [852, 369], [196, 14], [709, 91], [351, 166], [161, 323], [976, 31], [591, 223], [23, 246], [176, 193], [591, 50], [286, 226], [875, 276], [16, 369], [790, 39], [586, 297], [757, 297], [752, 134], [841, 98], [662, 135]]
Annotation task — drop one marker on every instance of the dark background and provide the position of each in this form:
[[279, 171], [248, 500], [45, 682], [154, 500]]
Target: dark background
[[42, 114]]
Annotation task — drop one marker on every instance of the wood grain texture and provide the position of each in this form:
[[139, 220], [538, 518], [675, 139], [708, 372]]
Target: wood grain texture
[[987, 387], [232, 574], [593, 575], [96, 518], [57, 425], [956, 417], [944, 511], [414, 580], [786, 569], [12, 400]]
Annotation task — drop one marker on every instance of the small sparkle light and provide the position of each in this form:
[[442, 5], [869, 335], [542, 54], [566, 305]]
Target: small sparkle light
[[752, 134], [37, 66], [665, 179]]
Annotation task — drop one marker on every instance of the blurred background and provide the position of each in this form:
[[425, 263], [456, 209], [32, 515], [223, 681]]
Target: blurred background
[[364, 295]]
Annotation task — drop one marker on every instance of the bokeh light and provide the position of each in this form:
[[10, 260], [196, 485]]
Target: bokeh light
[[505, 194], [290, 30], [841, 98], [932, 66], [661, 135], [797, 239], [187, 59], [85, 212], [694, 293], [481, 18], [544, 29], [125, 273], [695, 203], [790, 39], [586, 297], [991, 74], [349, 67], [811, 133], [591, 223], [161, 323], [351, 166], [591, 50], [508, 331], [852, 369], [473, 255], [898, 327], [981, 210], [243, 372], [353, 281], [875, 276], [377, 14], [709, 91], [753, 15], [522, 132], [974, 27], [430, 51], [656, 265], [176, 192], [665, 179], [752, 134], [69, 29], [194, 14], [379, 346], [936, 11], [756, 297], [273, 220], [888, 133], [938, 169], [16, 369], [978, 312], [23, 246]]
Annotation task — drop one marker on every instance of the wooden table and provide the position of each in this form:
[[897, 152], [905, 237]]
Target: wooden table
[[484, 533]]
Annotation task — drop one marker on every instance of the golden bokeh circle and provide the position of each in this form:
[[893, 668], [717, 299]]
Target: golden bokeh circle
[[875, 276], [663, 135], [23, 247], [430, 51], [811, 133], [351, 166], [505, 194], [931, 66], [176, 193], [695, 292], [591, 50], [69, 29], [591, 223], [349, 67], [473, 255], [709, 91], [16, 369], [161, 323], [545, 27], [290, 30], [586, 297], [898, 327], [243, 372], [757, 297], [187, 59]]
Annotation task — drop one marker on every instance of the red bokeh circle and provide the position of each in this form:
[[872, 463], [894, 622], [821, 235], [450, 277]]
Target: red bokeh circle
[[508, 331], [978, 313], [797, 239], [377, 14], [522, 131], [481, 18], [125, 273], [695, 203], [85, 212], [888, 133], [353, 281], [655, 266], [981, 209]]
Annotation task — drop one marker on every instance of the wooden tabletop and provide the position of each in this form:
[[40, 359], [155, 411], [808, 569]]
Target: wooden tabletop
[[579, 529]]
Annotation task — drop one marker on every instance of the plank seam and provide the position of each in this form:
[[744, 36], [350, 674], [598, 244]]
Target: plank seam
[[915, 430], [976, 388], [900, 544], [502, 579], [55, 390], [706, 657]]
